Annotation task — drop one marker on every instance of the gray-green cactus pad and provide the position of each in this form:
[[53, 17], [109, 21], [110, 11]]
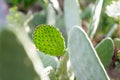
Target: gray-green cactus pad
[[83, 57], [49, 40], [105, 50]]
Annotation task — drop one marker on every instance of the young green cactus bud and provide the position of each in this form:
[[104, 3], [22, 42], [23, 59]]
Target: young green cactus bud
[[49, 40]]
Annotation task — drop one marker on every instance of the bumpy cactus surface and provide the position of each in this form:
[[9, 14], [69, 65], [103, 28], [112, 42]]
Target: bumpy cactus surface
[[49, 40]]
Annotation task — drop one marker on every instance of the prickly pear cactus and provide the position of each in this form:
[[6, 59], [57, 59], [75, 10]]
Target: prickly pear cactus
[[49, 40], [14, 62], [105, 50], [83, 57]]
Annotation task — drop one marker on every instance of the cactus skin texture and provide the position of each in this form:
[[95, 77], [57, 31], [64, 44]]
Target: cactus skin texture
[[49, 40], [84, 60], [72, 14], [105, 50]]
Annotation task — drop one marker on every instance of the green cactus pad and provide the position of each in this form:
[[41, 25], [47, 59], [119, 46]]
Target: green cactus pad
[[49, 40]]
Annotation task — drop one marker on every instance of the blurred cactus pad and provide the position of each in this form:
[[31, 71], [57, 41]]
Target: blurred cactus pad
[[14, 62], [49, 40]]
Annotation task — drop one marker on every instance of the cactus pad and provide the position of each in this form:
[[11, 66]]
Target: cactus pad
[[49, 40]]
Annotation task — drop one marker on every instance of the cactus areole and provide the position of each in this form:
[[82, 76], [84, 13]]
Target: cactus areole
[[49, 40]]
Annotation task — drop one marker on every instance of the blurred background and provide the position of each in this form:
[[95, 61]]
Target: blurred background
[[18, 19]]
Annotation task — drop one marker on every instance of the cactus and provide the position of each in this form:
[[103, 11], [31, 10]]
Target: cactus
[[61, 72], [20, 59], [105, 50], [49, 40], [48, 60], [24, 63], [14, 62], [51, 17], [72, 14], [83, 57], [95, 19]]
